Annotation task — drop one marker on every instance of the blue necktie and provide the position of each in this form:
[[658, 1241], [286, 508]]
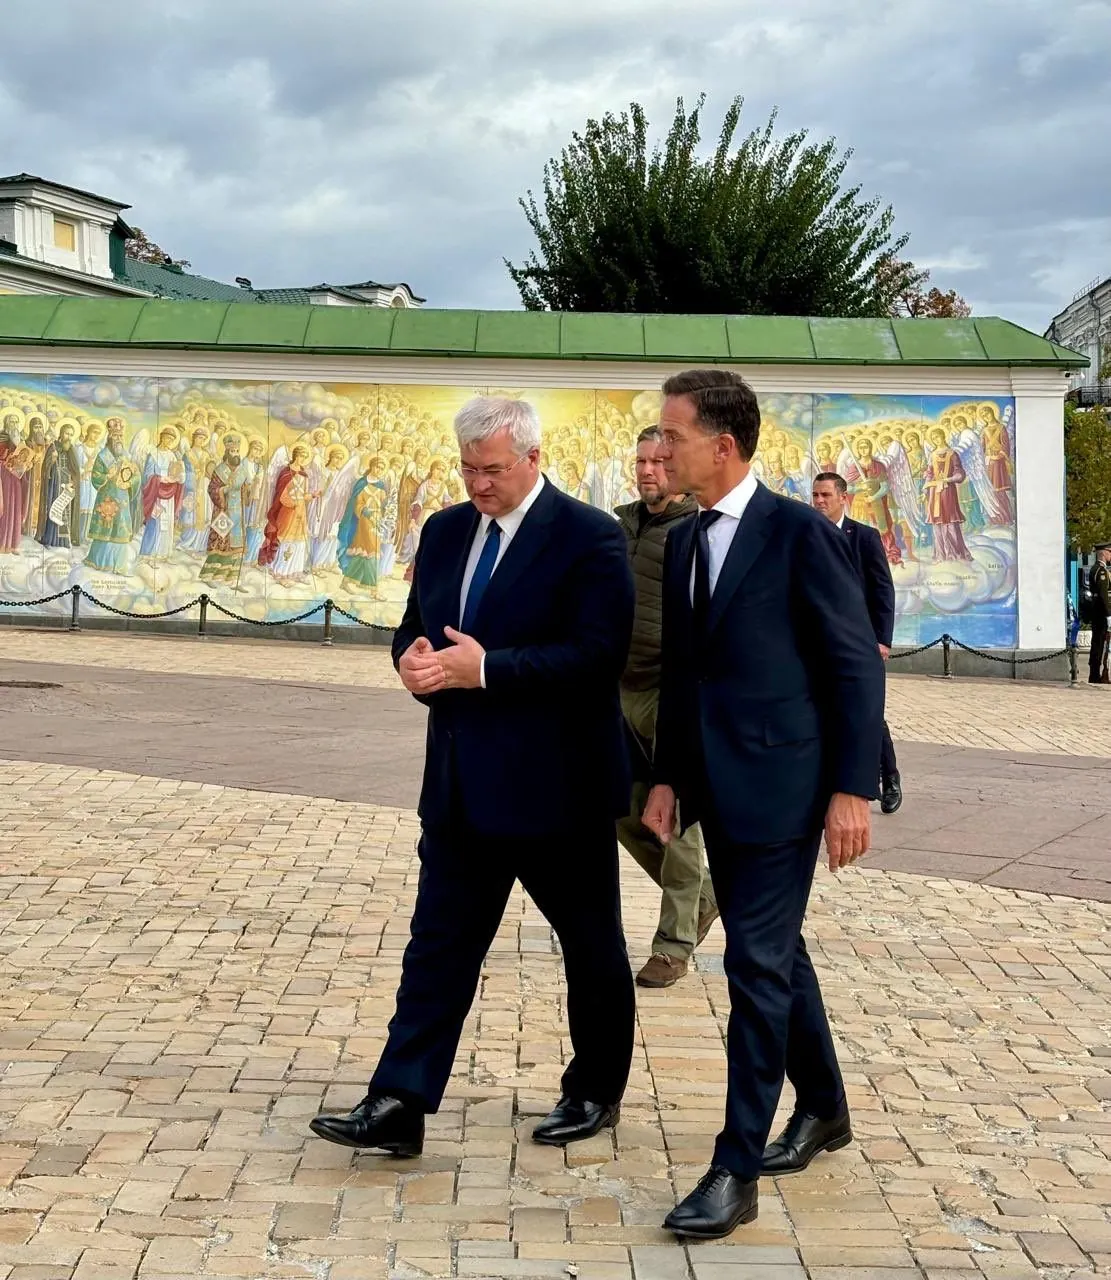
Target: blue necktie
[[482, 574]]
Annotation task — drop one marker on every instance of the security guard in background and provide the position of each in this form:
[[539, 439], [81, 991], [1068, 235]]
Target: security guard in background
[[1099, 584]]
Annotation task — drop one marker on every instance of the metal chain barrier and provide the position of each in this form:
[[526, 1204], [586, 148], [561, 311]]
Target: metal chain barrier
[[909, 653], [255, 622], [329, 606], [373, 626], [123, 613], [30, 604]]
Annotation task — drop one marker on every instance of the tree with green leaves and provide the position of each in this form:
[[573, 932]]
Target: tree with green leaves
[[760, 227], [1087, 476]]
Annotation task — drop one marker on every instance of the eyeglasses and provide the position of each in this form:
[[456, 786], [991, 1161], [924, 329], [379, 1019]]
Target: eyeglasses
[[490, 473]]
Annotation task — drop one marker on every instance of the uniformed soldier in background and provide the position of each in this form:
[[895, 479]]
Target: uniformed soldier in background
[[1099, 584]]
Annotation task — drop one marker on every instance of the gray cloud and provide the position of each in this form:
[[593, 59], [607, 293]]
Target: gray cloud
[[343, 140]]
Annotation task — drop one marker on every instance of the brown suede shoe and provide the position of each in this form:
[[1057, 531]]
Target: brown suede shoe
[[661, 971], [705, 920]]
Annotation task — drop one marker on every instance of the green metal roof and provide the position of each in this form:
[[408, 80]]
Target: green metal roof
[[253, 326], [166, 282]]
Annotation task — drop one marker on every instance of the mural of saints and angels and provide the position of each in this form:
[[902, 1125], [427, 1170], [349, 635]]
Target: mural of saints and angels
[[274, 496]]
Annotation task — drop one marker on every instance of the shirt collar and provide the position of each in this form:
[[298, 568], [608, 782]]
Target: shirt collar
[[512, 520], [735, 501], [841, 521]]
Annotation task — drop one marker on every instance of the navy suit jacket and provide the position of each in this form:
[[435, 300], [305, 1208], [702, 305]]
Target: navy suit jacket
[[870, 562], [541, 749], [781, 703]]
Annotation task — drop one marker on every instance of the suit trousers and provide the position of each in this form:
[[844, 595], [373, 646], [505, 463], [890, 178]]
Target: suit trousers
[[888, 763], [777, 1022], [465, 882], [678, 867], [1097, 655]]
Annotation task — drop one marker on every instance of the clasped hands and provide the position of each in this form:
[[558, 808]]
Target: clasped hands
[[848, 824], [425, 670]]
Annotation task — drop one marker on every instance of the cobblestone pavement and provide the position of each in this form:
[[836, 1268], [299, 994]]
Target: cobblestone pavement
[[994, 714], [189, 972]]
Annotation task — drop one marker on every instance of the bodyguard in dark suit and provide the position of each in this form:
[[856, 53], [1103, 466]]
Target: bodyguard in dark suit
[[769, 728], [870, 561], [515, 636]]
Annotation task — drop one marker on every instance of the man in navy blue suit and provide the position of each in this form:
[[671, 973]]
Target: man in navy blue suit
[[771, 706], [515, 636], [830, 497]]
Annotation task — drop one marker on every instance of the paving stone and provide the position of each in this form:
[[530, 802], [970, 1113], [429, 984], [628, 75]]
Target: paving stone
[[189, 971]]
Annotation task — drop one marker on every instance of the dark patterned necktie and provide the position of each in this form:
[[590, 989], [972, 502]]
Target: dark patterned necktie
[[701, 600]]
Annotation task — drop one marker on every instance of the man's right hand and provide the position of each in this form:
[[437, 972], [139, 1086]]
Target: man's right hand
[[419, 668], [659, 813]]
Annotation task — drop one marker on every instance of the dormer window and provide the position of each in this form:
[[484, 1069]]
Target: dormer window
[[65, 235]]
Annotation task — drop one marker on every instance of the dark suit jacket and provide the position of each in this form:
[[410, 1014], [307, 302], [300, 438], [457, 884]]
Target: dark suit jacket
[[541, 749], [782, 704], [870, 562]]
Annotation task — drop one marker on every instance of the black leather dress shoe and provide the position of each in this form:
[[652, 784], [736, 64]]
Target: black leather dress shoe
[[572, 1120], [891, 794], [381, 1123], [718, 1205], [804, 1138]]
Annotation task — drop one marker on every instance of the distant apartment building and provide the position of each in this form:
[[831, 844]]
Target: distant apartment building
[[1085, 326]]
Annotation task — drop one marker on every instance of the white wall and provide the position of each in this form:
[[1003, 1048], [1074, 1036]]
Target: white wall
[[1040, 509]]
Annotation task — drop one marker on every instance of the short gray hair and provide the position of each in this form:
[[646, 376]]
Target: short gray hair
[[484, 416]]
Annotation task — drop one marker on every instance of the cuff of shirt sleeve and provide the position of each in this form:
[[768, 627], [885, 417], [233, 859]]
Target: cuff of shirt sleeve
[[482, 671]]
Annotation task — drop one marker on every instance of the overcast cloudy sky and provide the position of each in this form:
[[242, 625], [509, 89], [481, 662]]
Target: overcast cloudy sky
[[344, 139]]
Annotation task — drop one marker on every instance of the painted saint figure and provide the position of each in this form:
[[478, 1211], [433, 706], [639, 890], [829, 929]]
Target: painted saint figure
[[867, 480], [195, 506], [229, 492], [360, 544], [117, 483], [15, 460], [256, 506], [32, 476], [997, 454], [58, 519], [944, 476], [87, 448], [163, 482], [285, 547]]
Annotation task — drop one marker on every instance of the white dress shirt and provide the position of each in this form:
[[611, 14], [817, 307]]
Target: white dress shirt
[[841, 520], [508, 524], [721, 533]]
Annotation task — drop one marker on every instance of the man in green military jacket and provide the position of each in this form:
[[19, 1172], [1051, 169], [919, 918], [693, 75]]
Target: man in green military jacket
[[687, 907]]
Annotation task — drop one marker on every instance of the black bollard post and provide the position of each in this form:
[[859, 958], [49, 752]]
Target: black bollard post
[[947, 656], [328, 606], [75, 609], [202, 626], [1074, 674]]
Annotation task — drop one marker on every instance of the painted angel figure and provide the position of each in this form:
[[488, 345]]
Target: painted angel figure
[[285, 546], [161, 493], [971, 449], [333, 482], [800, 473], [909, 517], [944, 476], [995, 440]]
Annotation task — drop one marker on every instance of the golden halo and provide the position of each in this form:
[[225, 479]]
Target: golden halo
[[341, 449], [256, 440], [173, 430], [68, 422]]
